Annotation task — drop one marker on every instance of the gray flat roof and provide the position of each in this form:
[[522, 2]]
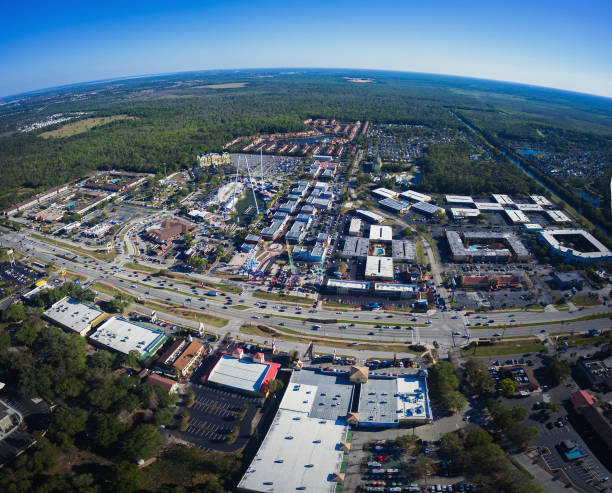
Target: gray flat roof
[[243, 374], [388, 400], [71, 314], [393, 204], [355, 246], [333, 395], [458, 247], [123, 336], [427, 208], [404, 250]]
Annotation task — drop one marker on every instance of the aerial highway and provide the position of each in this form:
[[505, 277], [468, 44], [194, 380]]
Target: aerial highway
[[447, 328]]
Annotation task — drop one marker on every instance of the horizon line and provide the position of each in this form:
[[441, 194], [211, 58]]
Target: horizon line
[[9, 97]]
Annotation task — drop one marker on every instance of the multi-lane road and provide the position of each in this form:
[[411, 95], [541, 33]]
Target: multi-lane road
[[447, 328]]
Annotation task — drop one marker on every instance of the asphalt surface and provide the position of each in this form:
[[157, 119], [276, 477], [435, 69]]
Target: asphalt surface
[[448, 329]]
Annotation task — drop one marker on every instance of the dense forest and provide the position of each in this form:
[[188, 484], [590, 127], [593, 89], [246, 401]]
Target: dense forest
[[104, 421], [179, 116]]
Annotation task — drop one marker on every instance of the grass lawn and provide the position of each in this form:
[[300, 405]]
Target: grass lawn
[[80, 126], [586, 300], [338, 305], [505, 348], [264, 295], [586, 341], [240, 307], [135, 266], [74, 276], [420, 253], [595, 316]]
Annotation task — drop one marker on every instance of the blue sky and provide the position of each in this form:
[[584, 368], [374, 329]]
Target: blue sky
[[562, 44]]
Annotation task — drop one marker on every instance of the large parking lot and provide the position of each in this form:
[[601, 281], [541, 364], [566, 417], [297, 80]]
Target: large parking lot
[[213, 415]]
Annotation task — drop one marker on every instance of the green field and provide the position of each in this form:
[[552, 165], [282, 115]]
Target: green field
[[80, 126], [264, 295], [505, 348]]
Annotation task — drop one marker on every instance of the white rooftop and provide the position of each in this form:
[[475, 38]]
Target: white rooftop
[[381, 233], [559, 216], [541, 200], [355, 226], [299, 397], [554, 237], [379, 267], [243, 374], [464, 212], [341, 283], [489, 206], [297, 452], [503, 199], [517, 216], [371, 216], [459, 199], [416, 196], [123, 336], [71, 314], [529, 207], [385, 192]]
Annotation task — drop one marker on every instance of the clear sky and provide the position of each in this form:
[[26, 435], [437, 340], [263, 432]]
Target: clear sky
[[564, 44]]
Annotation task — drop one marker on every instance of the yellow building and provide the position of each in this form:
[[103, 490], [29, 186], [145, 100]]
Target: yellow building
[[214, 159]]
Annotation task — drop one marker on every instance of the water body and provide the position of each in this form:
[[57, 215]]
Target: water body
[[588, 198], [527, 152]]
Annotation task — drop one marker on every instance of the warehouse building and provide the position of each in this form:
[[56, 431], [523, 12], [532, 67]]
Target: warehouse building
[[343, 286], [244, 373], [394, 206], [379, 267], [462, 212], [459, 199], [529, 207], [123, 336], [502, 199], [541, 200], [517, 217], [394, 290], [384, 193], [427, 208], [404, 251], [576, 245], [371, 217], [389, 401], [416, 196], [381, 233], [355, 227], [305, 445], [355, 247], [488, 206], [559, 216], [73, 315]]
